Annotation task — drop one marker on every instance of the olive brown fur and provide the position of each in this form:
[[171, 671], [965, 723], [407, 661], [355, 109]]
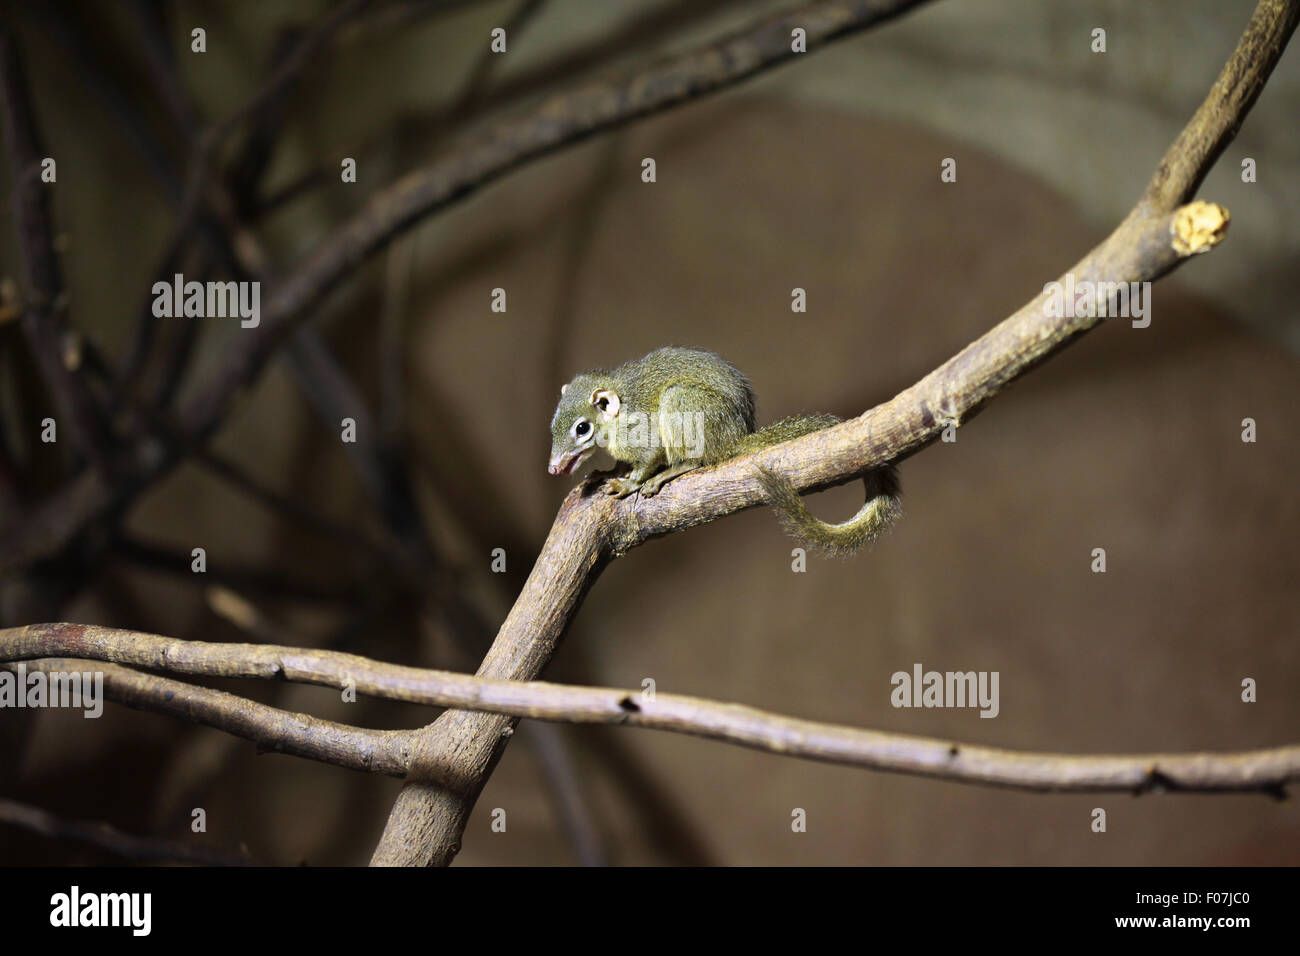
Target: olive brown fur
[[678, 409]]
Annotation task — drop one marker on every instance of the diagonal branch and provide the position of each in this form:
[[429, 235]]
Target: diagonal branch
[[1216, 122], [289, 70]]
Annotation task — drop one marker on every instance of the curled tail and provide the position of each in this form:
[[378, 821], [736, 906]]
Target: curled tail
[[843, 539]]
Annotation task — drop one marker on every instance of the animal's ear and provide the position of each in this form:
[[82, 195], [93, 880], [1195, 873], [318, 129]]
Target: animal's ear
[[564, 388], [607, 401]]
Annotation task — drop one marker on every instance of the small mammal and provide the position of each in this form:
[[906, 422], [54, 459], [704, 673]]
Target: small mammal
[[678, 409]]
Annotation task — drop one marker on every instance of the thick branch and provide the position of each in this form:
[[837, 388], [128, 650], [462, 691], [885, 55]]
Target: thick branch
[[1259, 770]]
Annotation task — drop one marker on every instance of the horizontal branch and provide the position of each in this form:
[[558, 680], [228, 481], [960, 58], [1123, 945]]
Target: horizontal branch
[[1258, 770], [272, 729]]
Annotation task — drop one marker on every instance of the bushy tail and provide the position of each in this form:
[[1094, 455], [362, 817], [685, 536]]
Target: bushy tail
[[847, 537]]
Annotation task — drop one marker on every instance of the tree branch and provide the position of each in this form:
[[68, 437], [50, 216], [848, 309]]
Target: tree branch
[[1258, 770], [272, 729]]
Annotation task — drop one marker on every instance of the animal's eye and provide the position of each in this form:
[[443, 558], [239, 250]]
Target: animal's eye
[[582, 428]]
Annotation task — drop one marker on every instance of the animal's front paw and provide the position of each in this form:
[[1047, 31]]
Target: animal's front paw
[[620, 487]]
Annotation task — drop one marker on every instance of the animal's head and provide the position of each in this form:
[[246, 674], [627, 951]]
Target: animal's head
[[584, 421]]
